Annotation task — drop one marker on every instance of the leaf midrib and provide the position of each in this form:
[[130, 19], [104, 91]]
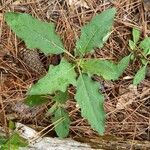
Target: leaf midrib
[[39, 35], [89, 99], [85, 47]]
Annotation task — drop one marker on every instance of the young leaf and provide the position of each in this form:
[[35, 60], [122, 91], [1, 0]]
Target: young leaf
[[104, 68], [60, 97], [91, 102], [145, 45], [62, 120], [136, 35], [122, 65], [35, 100], [132, 45], [140, 75], [96, 32], [35, 33], [57, 79]]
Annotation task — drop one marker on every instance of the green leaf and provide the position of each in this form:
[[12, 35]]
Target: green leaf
[[35, 100], [35, 33], [91, 102], [95, 33], [132, 45], [145, 45], [122, 65], [136, 35], [60, 97], [57, 79], [14, 142], [103, 68], [107, 69], [62, 121], [140, 75]]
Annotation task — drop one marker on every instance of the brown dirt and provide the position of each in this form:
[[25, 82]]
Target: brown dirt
[[130, 121]]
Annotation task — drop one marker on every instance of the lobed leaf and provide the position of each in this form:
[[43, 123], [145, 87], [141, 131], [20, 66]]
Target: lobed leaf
[[140, 75], [107, 69], [136, 35], [91, 102], [35, 33], [103, 68], [57, 79], [95, 33], [63, 122]]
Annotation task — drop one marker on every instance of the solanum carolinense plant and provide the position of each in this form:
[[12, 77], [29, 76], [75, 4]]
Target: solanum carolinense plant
[[75, 71]]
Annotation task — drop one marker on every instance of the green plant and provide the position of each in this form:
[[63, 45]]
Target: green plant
[[141, 50], [14, 141], [75, 71]]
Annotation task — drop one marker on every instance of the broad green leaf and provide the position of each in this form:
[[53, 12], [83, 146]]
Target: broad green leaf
[[140, 75], [107, 69], [95, 33], [62, 120], [57, 79], [35, 33], [60, 97], [132, 45], [145, 45], [122, 65], [35, 100], [136, 35], [14, 142], [104, 68], [91, 102]]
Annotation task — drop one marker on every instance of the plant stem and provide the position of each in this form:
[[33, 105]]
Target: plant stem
[[69, 54]]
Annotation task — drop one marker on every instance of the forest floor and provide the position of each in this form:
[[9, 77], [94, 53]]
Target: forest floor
[[127, 107]]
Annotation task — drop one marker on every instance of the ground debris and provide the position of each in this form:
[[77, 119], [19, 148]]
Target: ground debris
[[32, 60]]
